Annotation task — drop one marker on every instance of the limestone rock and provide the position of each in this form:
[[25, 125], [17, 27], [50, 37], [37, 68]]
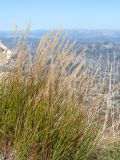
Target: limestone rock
[[5, 54]]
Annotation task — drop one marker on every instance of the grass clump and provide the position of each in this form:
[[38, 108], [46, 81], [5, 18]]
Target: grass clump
[[42, 115]]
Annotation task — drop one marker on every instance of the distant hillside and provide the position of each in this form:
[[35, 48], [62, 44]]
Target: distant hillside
[[95, 42], [83, 36]]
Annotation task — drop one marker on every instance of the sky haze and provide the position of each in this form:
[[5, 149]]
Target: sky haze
[[65, 14]]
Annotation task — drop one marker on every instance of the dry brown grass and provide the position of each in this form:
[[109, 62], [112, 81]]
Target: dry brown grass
[[47, 109]]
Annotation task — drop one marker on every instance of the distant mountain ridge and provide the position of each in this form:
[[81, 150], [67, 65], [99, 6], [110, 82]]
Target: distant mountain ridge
[[94, 41], [81, 35]]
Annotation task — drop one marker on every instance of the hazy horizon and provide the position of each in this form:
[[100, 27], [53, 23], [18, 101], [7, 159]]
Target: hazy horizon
[[63, 29]]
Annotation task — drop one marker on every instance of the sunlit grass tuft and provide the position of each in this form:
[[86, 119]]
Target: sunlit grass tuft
[[43, 104]]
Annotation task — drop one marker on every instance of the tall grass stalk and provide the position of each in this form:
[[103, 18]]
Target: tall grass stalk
[[44, 112]]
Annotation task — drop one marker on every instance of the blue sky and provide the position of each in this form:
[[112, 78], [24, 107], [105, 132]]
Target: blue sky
[[65, 14]]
